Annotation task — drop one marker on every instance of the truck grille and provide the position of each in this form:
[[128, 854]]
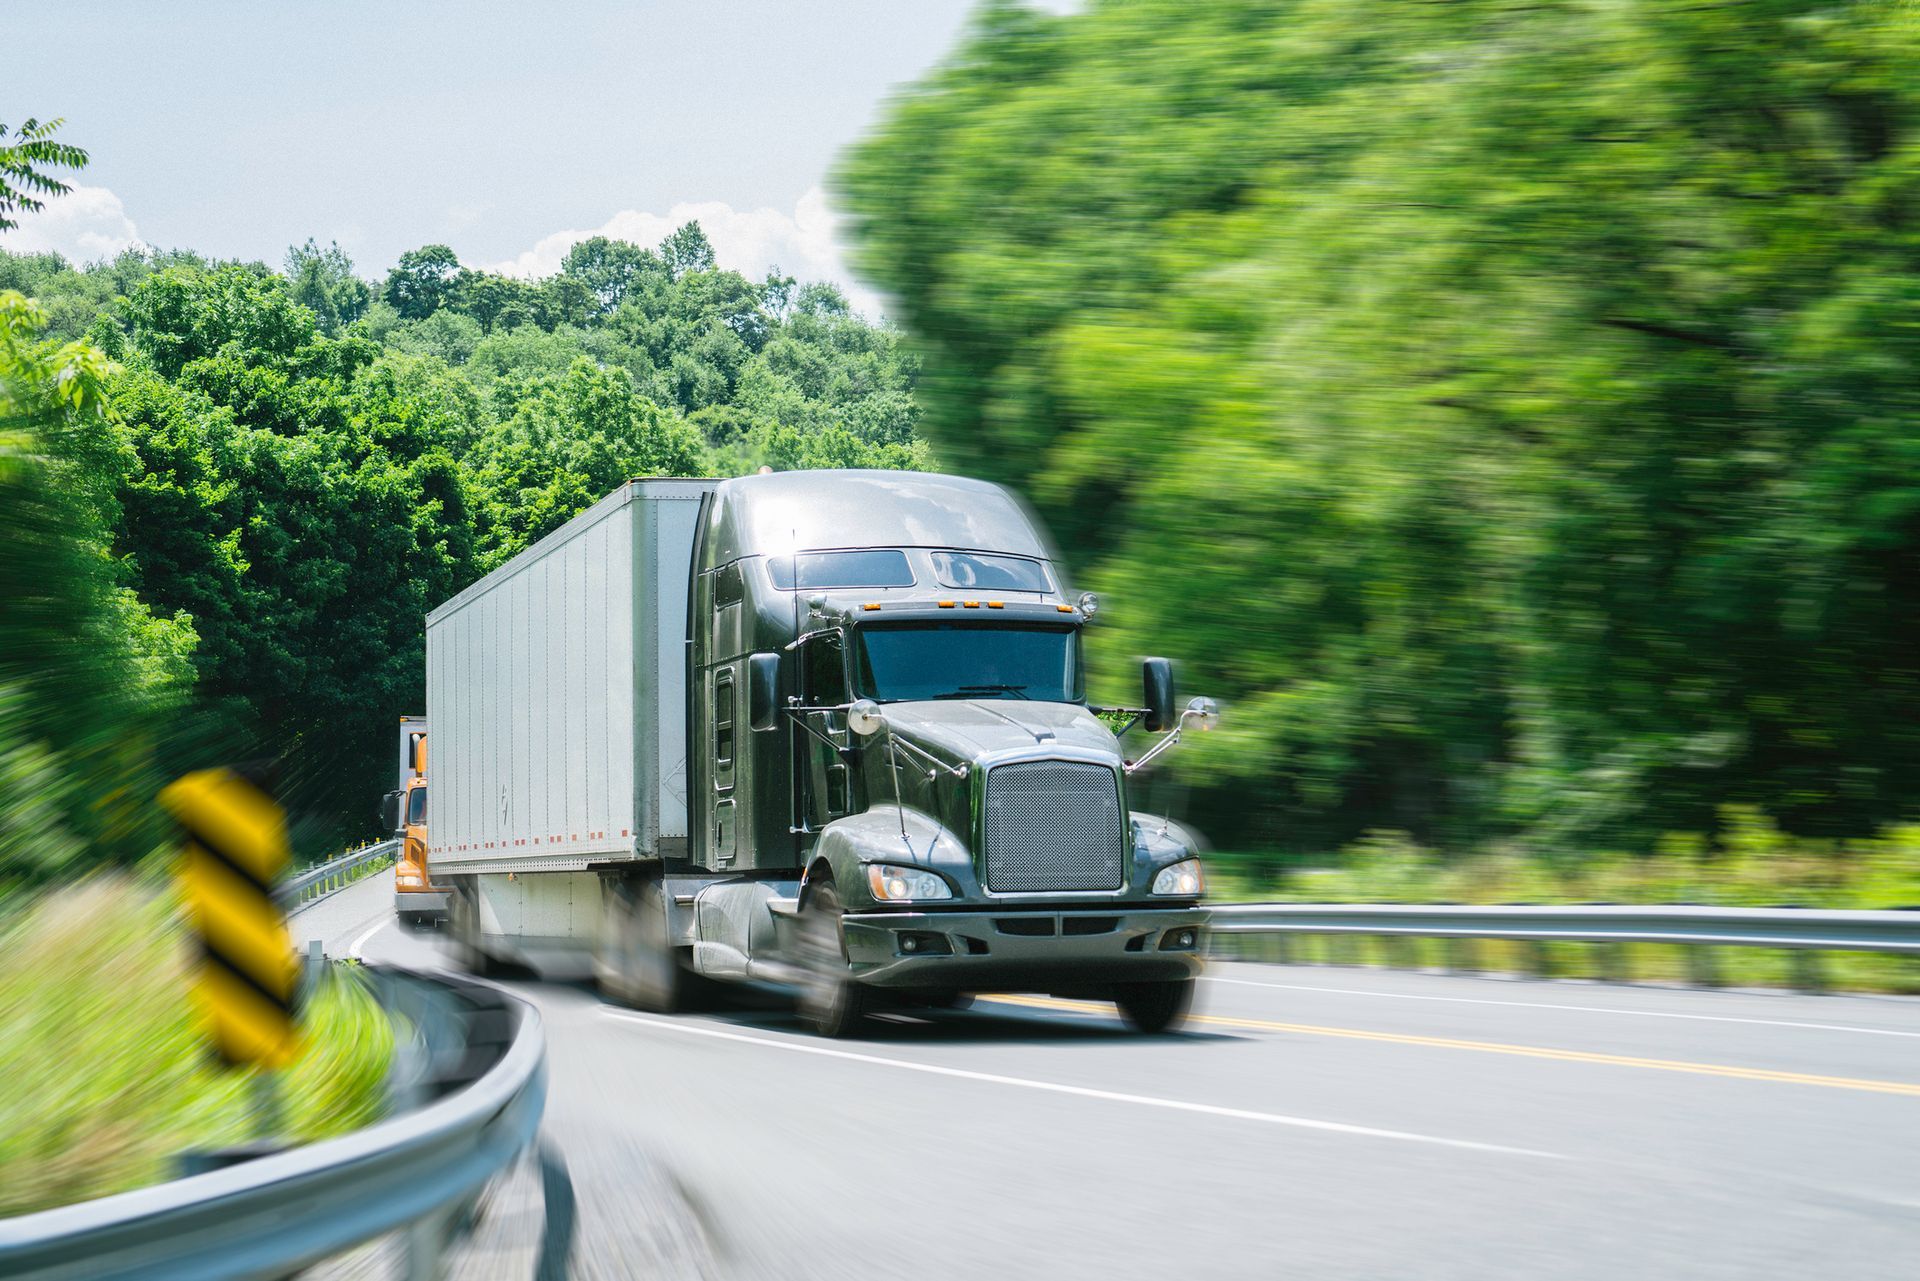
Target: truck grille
[[1054, 825]]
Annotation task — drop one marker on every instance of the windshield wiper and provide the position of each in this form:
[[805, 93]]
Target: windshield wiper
[[968, 691]]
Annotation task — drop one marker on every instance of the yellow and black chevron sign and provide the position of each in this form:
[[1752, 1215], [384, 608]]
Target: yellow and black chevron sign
[[236, 846]]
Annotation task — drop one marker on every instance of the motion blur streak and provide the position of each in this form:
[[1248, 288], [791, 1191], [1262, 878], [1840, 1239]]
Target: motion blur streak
[[1204, 1109], [1489, 1047], [1519, 393]]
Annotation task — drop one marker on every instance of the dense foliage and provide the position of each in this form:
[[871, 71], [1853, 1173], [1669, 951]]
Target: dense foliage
[[1510, 408], [280, 473]]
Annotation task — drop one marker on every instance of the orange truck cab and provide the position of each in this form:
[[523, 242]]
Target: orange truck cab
[[415, 897]]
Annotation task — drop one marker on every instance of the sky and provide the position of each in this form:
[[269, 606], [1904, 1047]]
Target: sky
[[507, 131]]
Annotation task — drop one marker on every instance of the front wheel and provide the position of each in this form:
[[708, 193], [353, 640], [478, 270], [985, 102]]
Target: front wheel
[[1154, 1007], [830, 1000], [636, 963]]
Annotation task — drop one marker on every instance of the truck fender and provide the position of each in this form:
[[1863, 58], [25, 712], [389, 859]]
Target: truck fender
[[848, 844]]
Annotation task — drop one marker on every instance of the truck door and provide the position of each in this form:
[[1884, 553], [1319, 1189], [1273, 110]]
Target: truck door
[[724, 749], [827, 791]]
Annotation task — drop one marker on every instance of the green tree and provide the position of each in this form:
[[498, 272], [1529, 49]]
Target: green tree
[[1514, 393], [686, 250], [322, 281], [423, 281], [86, 671], [25, 162]]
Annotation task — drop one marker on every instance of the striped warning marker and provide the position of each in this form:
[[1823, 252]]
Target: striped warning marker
[[235, 848]]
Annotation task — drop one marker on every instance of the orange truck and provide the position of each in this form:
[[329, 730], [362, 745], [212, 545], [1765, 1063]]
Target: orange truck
[[404, 812]]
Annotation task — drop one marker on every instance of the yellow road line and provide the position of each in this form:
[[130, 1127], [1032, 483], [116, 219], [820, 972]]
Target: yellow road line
[[1497, 1047]]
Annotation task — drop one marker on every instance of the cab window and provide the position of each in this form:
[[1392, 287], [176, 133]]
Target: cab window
[[417, 805]]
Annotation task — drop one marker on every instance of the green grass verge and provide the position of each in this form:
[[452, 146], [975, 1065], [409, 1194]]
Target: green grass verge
[[1749, 864], [106, 1069]]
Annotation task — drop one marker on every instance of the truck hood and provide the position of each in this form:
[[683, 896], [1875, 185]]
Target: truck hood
[[966, 729]]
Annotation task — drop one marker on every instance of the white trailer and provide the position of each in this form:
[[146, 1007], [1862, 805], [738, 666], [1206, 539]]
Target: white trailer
[[557, 690]]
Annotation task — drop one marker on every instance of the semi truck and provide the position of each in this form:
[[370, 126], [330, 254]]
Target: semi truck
[[823, 729], [404, 813]]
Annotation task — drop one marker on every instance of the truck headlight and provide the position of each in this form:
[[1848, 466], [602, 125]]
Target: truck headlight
[[889, 882], [1183, 879]]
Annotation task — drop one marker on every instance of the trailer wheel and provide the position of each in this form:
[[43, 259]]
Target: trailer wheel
[[1154, 1007], [830, 1000], [636, 963], [463, 922]]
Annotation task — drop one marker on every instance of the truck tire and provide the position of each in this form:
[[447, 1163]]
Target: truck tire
[[636, 963], [830, 1000], [463, 923], [1154, 1007]]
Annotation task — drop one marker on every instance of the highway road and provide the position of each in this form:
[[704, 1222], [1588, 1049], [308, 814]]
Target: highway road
[[1311, 1122]]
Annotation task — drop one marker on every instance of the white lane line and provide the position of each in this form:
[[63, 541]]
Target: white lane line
[[1581, 1009], [375, 928], [1054, 1087]]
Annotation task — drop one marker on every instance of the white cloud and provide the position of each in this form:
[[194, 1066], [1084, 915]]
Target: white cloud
[[750, 241], [85, 225]]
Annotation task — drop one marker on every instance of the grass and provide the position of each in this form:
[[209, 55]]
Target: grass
[[1749, 864], [106, 1070]]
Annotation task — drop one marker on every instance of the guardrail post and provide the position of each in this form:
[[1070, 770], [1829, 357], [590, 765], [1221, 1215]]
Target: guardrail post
[[427, 1245], [1613, 965], [1809, 975], [1703, 967]]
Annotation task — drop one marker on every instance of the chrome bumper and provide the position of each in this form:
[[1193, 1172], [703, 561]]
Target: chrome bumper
[[426, 902], [1080, 950]]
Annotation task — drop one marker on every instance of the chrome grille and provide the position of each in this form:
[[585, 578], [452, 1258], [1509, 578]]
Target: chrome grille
[[1053, 825]]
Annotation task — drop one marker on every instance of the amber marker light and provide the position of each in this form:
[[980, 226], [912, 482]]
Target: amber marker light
[[870, 607]]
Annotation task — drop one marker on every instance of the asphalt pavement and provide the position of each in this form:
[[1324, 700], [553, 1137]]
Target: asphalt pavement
[[1311, 1121]]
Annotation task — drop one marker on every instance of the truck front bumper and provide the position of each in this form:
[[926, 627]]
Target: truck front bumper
[[423, 902], [1066, 952]]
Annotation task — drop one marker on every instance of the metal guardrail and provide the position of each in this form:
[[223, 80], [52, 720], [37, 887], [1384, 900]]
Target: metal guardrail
[[480, 1069], [316, 883], [1782, 927], [1804, 932]]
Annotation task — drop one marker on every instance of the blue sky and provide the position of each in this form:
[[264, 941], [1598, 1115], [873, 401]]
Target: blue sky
[[503, 130]]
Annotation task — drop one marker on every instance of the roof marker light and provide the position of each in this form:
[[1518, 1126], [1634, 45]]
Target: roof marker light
[[946, 604], [996, 604], [971, 604], [870, 606]]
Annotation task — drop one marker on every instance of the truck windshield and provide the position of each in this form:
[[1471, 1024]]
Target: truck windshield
[[905, 662]]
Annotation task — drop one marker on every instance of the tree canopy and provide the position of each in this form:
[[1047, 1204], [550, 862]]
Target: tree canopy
[[285, 470], [1508, 408]]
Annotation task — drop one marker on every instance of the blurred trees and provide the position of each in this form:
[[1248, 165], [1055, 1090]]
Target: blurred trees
[[283, 474], [86, 670], [1509, 408]]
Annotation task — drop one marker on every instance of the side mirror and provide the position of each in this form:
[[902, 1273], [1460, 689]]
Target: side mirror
[[390, 812], [1157, 674], [763, 691], [865, 718], [1202, 714]]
